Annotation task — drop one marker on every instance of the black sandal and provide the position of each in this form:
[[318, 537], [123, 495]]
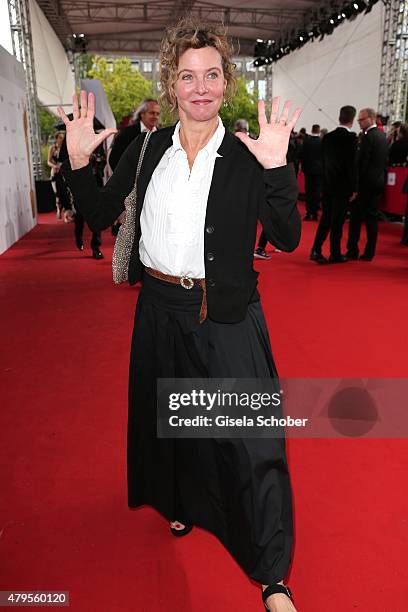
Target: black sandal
[[271, 589], [180, 532]]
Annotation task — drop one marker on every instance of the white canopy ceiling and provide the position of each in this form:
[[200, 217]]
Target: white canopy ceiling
[[126, 26]]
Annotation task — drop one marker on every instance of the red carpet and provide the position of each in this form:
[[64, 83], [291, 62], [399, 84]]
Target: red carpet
[[64, 522]]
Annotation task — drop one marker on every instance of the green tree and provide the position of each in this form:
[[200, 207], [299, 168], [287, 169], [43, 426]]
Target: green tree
[[124, 86], [47, 122], [84, 65], [243, 105]]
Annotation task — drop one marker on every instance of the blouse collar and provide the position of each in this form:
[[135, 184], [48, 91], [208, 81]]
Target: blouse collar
[[210, 148]]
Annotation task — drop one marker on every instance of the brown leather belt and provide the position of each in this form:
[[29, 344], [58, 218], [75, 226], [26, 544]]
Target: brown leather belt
[[187, 283]]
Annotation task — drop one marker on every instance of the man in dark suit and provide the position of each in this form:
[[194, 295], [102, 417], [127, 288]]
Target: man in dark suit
[[372, 166], [311, 160], [68, 205], [339, 149], [146, 118]]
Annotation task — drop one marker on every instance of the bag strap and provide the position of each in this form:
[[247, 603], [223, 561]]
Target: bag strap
[[141, 156]]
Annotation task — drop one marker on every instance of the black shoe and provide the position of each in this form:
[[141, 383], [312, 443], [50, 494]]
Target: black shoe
[[365, 257], [338, 259], [181, 532], [271, 589], [353, 256], [96, 254], [307, 217], [261, 254], [318, 257], [80, 246], [404, 242]]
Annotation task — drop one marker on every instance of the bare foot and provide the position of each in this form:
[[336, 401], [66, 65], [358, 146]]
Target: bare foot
[[177, 525], [278, 602]]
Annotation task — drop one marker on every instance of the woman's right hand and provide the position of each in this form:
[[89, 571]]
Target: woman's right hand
[[81, 138]]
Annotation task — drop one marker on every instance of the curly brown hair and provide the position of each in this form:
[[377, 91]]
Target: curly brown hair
[[190, 34]]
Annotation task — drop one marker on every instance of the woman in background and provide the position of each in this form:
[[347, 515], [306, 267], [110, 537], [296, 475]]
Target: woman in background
[[55, 165]]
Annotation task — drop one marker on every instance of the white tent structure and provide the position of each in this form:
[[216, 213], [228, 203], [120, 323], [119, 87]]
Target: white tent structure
[[54, 75], [344, 68], [348, 66]]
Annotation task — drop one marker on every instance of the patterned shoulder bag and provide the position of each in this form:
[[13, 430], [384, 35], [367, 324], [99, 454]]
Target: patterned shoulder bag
[[126, 234]]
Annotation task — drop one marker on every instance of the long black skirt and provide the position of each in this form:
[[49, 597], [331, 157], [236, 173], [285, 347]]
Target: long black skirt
[[238, 489]]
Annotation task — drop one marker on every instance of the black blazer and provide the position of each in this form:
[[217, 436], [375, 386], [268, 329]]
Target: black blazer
[[311, 155], [372, 162], [339, 151], [122, 141], [241, 192]]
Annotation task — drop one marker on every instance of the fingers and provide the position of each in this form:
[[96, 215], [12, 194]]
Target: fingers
[[285, 113], [75, 109], [84, 104], [284, 118], [275, 108], [62, 114], [91, 106], [295, 118], [103, 136], [261, 114]]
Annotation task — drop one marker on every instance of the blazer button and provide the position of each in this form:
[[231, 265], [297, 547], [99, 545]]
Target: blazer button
[[210, 256], [210, 282], [209, 229]]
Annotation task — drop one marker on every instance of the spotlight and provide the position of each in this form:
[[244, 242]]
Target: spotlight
[[80, 42], [327, 22]]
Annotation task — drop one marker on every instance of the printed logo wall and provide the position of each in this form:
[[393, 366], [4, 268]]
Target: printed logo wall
[[17, 199]]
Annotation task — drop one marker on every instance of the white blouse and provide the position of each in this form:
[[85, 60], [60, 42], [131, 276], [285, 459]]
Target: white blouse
[[174, 209]]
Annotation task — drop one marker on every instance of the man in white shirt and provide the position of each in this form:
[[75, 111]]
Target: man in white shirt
[[146, 117]]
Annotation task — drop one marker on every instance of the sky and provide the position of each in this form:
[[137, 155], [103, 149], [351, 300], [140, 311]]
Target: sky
[[5, 35]]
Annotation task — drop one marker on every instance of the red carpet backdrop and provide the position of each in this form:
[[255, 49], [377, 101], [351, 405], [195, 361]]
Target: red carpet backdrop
[[64, 521]]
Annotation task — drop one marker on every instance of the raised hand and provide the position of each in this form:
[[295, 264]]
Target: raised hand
[[81, 138], [272, 144]]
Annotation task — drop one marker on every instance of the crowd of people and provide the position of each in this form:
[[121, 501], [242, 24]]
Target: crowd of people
[[344, 175]]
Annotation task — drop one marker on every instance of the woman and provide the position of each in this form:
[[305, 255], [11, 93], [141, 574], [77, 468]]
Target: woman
[[54, 164], [398, 154], [200, 194]]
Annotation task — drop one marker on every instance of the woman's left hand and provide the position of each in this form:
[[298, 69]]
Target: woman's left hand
[[272, 144]]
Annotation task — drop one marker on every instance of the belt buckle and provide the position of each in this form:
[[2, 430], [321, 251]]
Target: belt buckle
[[186, 282]]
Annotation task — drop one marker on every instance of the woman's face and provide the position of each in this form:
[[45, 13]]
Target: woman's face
[[200, 84], [59, 139]]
